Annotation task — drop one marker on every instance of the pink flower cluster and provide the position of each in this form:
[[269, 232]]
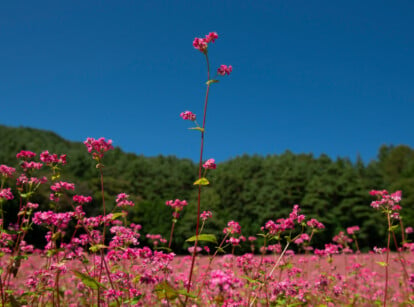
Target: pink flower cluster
[[80, 199], [232, 228], [122, 200], [49, 159], [206, 215], [188, 115], [60, 186], [31, 165], [177, 205], [202, 43], [314, 223], [98, 147], [387, 201], [7, 171], [351, 230], [25, 154], [210, 164], [6, 194], [224, 69], [60, 220]]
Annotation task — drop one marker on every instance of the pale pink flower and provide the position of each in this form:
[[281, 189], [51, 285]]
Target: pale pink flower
[[409, 230]]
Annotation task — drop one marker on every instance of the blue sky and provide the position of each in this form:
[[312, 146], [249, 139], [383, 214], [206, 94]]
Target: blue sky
[[332, 77]]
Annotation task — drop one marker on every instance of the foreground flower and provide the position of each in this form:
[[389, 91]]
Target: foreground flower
[[98, 147], [202, 43]]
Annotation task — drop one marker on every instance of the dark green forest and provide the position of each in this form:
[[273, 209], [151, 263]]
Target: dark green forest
[[248, 189]]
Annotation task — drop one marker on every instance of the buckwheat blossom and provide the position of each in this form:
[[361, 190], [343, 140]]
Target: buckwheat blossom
[[31, 165], [188, 115], [49, 159], [224, 69], [409, 230], [210, 164], [25, 154], [177, 204], [232, 228], [351, 230], [122, 200], [206, 215], [80, 199], [315, 224], [6, 194], [202, 43], [98, 147], [7, 171], [59, 186]]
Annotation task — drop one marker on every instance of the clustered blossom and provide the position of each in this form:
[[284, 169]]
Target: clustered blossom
[[232, 228], [210, 164], [122, 200], [313, 223], [25, 154], [98, 147], [31, 165], [6, 194], [409, 230], [177, 205], [60, 220], [202, 43], [7, 171], [206, 215], [59, 186], [49, 159], [351, 230], [387, 201], [224, 69], [80, 199], [31, 181], [188, 115]]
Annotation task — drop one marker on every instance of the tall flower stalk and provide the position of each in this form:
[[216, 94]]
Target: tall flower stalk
[[201, 44]]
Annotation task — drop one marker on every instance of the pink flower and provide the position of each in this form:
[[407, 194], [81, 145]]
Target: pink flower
[[177, 204], [351, 230], [98, 147], [232, 228], [80, 199], [188, 115], [48, 158], [122, 200], [6, 194], [224, 69], [205, 215], [209, 164], [202, 43], [25, 154], [409, 230], [211, 37], [6, 171]]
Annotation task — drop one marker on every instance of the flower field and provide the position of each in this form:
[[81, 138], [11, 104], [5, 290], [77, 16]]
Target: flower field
[[98, 260]]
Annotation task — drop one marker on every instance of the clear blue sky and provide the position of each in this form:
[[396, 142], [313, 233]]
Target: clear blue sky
[[334, 77]]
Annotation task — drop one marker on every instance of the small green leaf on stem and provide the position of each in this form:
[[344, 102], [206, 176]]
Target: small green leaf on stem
[[197, 128], [201, 181], [203, 237], [97, 247], [212, 81], [89, 281], [381, 263]]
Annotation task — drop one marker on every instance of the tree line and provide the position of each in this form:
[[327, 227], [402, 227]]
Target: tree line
[[250, 189]]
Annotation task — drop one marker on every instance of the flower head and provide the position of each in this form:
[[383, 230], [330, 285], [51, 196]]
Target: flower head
[[224, 69], [210, 164], [188, 115]]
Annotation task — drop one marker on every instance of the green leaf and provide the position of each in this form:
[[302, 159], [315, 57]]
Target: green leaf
[[89, 281], [118, 214], [201, 181], [185, 293], [97, 247], [212, 81], [381, 263], [203, 237], [165, 291], [197, 128]]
